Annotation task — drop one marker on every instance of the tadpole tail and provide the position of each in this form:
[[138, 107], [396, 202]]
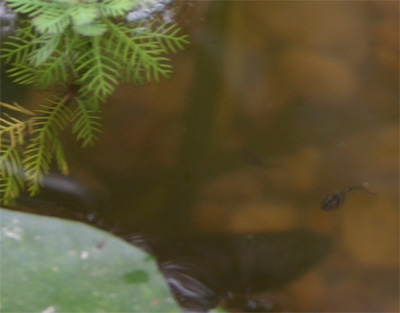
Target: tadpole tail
[[360, 187]]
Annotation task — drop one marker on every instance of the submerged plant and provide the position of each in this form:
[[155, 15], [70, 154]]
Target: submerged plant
[[87, 48]]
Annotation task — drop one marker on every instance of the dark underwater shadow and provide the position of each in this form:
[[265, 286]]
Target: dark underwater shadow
[[203, 270]]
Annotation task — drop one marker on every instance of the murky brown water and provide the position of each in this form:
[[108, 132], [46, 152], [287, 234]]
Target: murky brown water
[[274, 106]]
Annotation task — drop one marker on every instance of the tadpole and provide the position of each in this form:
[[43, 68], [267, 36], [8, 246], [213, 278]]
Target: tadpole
[[336, 199]]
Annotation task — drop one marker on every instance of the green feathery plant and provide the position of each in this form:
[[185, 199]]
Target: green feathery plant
[[87, 48]]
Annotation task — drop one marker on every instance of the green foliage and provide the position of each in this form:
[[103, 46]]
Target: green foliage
[[11, 182], [84, 46], [54, 265], [46, 125], [86, 123]]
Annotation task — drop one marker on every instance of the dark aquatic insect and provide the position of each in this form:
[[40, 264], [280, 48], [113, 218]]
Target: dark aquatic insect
[[336, 199]]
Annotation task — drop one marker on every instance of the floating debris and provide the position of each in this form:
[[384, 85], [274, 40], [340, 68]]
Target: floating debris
[[84, 255], [336, 199]]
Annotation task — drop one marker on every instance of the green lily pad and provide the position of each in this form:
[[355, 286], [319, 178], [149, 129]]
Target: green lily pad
[[53, 265]]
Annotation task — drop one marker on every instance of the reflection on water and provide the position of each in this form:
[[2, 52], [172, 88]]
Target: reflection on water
[[312, 86]]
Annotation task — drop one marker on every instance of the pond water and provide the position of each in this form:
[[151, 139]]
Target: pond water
[[274, 106]]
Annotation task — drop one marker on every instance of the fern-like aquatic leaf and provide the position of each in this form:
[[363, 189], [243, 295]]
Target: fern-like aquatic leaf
[[17, 108], [14, 128], [10, 161], [31, 7], [53, 21], [17, 49], [24, 74], [60, 156], [169, 39], [86, 123], [84, 14], [74, 48], [100, 70], [47, 44], [53, 71], [164, 69], [12, 132], [53, 117], [91, 30], [37, 162], [11, 177], [116, 8], [10, 188], [40, 152], [140, 53]]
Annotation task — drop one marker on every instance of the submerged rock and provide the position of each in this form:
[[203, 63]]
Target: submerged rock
[[145, 9], [8, 20]]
